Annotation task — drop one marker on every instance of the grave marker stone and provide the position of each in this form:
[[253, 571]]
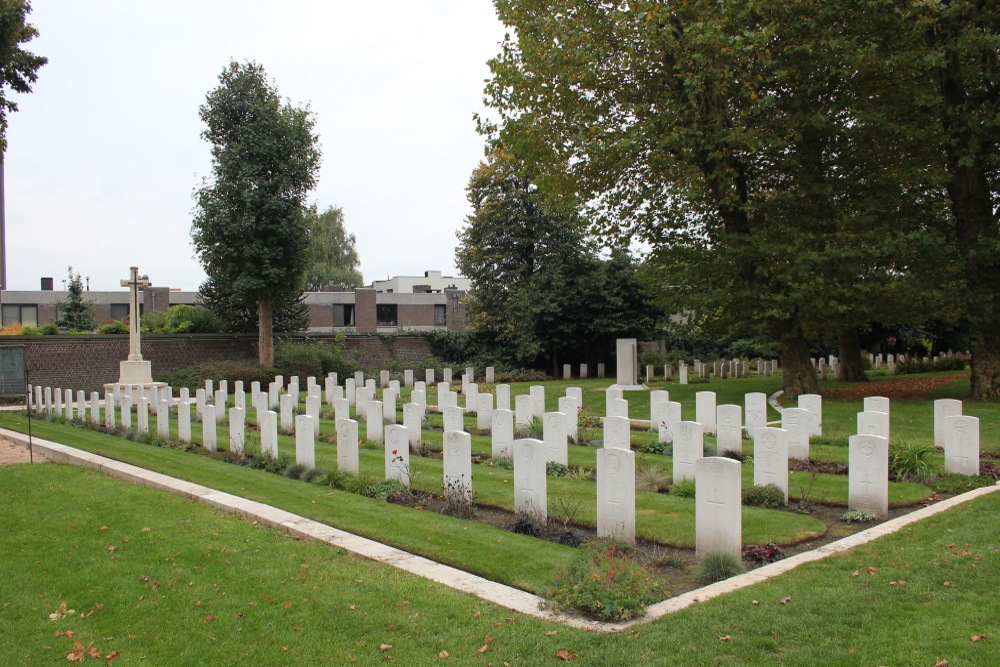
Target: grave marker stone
[[617, 407], [484, 412], [502, 433], [876, 404], [109, 409], [163, 418], [672, 416], [408, 378], [287, 425], [237, 430], [490, 375], [797, 422], [568, 406], [729, 428], [389, 405], [374, 424], [529, 479], [537, 393], [617, 433], [658, 400], [522, 411], [503, 397], [454, 419], [704, 410], [616, 494], [944, 407], [209, 435], [961, 445], [554, 436], [313, 405], [142, 414], [814, 404], [770, 457], [458, 467], [412, 420], [268, 425], [718, 507], [347, 445], [873, 423], [305, 440], [689, 446], [755, 405], [397, 454], [868, 468]]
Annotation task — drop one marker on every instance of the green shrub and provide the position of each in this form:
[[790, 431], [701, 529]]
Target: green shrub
[[915, 365], [533, 430], [113, 327], [504, 462], [554, 469], [716, 566], [684, 488], [525, 524], [337, 479], [955, 483], [44, 330], [295, 470], [768, 496], [602, 581], [661, 448], [909, 460], [231, 371], [857, 516], [313, 358]]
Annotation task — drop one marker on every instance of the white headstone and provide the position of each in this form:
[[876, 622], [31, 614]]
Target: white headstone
[[419, 397], [876, 404], [718, 507], [567, 372], [446, 375], [305, 440], [454, 419], [873, 423], [350, 390], [617, 433], [240, 399], [287, 423], [729, 428], [163, 418], [484, 412], [529, 479], [755, 409], [868, 468], [199, 404], [374, 424], [443, 389], [683, 374], [383, 379], [408, 378], [673, 415], [814, 404], [472, 398], [689, 446], [944, 407], [184, 421], [770, 458], [616, 494], [502, 432], [389, 406], [568, 406], [627, 362], [537, 393], [347, 445], [412, 420], [81, 405], [490, 375], [397, 454], [617, 407], [126, 412], [109, 409], [273, 395], [658, 400], [313, 404], [503, 396], [95, 408], [704, 410], [209, 388], [797, 422], [554, 436], [429, 376], [341, 409], [237, 430], [458, 466], [209, 436], [961, 445], [522, 411], [142, 414], [268, 425]]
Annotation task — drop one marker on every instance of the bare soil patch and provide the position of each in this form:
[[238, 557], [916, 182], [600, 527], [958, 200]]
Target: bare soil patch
[[14, 452]]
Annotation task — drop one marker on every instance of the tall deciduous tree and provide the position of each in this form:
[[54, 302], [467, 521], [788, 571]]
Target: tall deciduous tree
[[539, 289], [333, 257], [742, 141], [958, 45], [250, 229], [18, 68]]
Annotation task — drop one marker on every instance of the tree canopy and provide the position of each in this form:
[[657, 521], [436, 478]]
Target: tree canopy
[[18, 68], [250, 228], [539, 288], [333, 257], [765, 151]]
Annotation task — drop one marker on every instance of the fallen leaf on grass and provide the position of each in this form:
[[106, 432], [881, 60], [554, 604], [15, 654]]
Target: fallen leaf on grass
[[941, 663], [385, 647], [476, 615], [112, 548], [111, 657], [103, 528], [872, 570], [978, 638], [725, 638], [901, 582], [756, 603], [855, 573], [565, 655], [489, 639], [443, 654], [947, 584], [551, 633], [209, 618], [483, 649], [786, 600]]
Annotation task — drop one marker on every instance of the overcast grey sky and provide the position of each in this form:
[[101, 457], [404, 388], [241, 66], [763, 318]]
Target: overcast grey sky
[[104, 154]]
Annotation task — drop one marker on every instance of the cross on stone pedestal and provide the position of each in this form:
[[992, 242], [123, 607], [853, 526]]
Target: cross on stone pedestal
[[134, 283]]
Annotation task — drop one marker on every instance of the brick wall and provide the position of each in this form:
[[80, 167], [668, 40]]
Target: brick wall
[[88, 362]]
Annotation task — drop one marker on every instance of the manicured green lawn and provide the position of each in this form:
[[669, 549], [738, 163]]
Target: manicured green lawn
[[185, 584]]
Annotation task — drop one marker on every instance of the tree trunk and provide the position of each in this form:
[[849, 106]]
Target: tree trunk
[[851, 368], [265, 332], [985, 378], [797, 373]]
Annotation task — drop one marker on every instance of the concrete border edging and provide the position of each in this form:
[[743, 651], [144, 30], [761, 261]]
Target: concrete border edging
[[491, 591]]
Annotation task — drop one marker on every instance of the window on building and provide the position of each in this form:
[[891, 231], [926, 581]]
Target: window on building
[[385, 315], [16, 313], [440, 315], [119, 311], [343, 315]]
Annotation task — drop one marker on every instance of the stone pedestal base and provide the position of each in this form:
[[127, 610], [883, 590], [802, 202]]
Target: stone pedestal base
[[135, 372]]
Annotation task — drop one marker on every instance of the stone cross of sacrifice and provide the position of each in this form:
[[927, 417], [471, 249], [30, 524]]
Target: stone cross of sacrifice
[[134, 283]]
